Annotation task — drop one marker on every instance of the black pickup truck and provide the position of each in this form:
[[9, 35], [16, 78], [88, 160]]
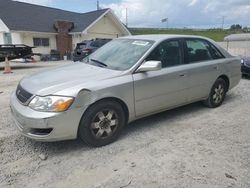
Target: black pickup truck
[[15, 51]]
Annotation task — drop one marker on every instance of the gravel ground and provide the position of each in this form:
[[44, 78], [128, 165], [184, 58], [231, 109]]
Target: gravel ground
[[191, 146]]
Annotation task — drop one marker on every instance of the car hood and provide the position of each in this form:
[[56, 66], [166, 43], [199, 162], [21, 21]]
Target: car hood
[[64, 77]]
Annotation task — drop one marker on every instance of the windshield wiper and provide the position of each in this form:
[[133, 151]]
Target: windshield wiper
[[99, 62]]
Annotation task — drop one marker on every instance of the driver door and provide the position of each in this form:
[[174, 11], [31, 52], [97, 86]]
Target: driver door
[[166, 88]]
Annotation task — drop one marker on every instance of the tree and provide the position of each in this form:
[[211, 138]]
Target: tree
[[235, 27], [245, 29]]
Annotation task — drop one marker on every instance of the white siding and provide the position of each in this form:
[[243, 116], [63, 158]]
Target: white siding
[[104, 28], [16, 38], [27, 39], [1, 38], [3, 29]]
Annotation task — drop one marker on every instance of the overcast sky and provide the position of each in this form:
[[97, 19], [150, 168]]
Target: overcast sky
[[180, 13]]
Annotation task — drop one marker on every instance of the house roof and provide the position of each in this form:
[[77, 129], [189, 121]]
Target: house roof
[[19, 16]]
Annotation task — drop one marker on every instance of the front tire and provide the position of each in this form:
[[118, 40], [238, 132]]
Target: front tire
[[217, 94], [102, 123]]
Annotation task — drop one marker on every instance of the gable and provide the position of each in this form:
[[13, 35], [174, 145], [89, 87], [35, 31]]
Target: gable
[[108, 23], [107, 26], [3, 27]]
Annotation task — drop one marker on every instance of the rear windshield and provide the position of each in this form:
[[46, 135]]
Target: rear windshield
[[81, 45]]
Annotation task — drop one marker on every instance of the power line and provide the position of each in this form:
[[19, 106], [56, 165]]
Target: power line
[[127, 17], [209, 25]]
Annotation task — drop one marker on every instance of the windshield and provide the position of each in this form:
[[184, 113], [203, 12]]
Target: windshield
[[120, 54]]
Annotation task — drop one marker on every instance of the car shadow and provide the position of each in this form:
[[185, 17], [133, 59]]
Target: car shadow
[[246, 77], [60, 147], [166, 117], [230, 97]]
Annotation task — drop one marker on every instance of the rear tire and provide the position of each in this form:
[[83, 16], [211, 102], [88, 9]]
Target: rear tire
[[217, 94], [102, 123]]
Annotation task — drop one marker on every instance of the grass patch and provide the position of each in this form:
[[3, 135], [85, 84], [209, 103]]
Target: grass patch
[[215, 34]]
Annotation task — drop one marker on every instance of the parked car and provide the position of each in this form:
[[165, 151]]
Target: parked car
[[245, 66], [53, 56], [127, 79], [87, 47]]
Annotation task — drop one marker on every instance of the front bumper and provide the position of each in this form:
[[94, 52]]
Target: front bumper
[[45, 126], [245, 70]]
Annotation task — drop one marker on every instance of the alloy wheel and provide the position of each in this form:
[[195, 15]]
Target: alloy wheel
[[104, 124], [218, 94]]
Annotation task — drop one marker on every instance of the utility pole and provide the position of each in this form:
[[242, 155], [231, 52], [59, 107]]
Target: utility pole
[[127, 17], [97, 5], [223, 21]]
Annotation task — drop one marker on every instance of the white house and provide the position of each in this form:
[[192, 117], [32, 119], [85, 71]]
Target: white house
[[48, 28]]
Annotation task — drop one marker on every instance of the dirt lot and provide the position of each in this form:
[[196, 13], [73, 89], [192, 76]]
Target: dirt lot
[[191, 146]]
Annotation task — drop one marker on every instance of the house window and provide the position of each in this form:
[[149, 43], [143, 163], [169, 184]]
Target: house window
[[41, 42], [7, 38]]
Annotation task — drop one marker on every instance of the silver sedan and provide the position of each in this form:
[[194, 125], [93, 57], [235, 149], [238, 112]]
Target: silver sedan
[[126, 79]]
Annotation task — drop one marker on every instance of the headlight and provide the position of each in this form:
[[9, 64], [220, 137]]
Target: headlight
[[51, 103], [242, 61]]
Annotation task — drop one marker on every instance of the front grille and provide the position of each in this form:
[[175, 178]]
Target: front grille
[[22, 95]]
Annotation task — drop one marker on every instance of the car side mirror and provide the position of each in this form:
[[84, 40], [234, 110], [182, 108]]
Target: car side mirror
[[150, 66]]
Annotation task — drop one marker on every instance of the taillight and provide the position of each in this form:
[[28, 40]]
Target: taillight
[[86, 50]]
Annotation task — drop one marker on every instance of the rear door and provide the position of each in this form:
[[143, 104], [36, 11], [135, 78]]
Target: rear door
[[204, 67]]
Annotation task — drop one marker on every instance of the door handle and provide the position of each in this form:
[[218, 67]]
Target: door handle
[[182, 75]]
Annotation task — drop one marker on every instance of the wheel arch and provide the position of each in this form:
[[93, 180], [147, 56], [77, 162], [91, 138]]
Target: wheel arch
[[226, 79], [83, 133], [118, 100]]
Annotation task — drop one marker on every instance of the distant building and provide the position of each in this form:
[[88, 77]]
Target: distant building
[[49, 28], [238, 37], [237, 44]]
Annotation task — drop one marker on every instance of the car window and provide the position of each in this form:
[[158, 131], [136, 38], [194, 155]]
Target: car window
[[216, 54], [96, 44], [168, 52], [197, 50], [81, 46]]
